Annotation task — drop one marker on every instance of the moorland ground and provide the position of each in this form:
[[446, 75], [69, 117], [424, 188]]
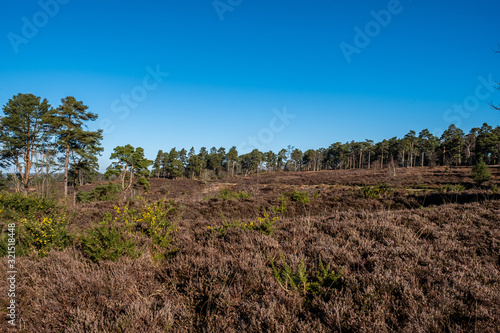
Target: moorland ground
[[405, 250]]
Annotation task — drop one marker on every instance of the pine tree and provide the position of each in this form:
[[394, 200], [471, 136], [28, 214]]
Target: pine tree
[[130, 161], [232, 157], [157, 163], [481, 172], [24, 133], [72, 138], [174, 165]]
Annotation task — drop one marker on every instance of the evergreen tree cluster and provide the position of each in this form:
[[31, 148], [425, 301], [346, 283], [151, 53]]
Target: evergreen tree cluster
[[452, 148], [36, 138]]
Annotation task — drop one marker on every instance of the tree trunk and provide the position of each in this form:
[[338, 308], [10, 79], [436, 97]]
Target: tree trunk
[[66, 167], [131, 177], [123, 176]]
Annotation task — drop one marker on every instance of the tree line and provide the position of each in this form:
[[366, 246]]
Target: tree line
[[42, 142], [452, 148]]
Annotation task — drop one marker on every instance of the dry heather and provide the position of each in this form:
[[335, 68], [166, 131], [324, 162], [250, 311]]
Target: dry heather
[[406, 260]]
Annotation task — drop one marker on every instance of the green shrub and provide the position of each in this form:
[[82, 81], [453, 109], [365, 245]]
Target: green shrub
[[452, 188], [481, 172], [227, 194], [26, 205], [39, 234], [494, 189], [289, 280], [221, 230], [326, 278], [105, 241], [41, 224], [282, 199], [375, 192], [45, 234], [100, 193], [21, 248], [369, 192], [323, 282], [3, 181], [263, 224], [160, 226], [157, 219], [297, 196]]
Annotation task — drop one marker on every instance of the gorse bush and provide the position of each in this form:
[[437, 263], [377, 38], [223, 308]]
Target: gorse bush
[[112, 238], [159, 226], [265, 224], [156, 220], [44, 234], [41, 225], [100, 193], [26, 205], [107, 241]]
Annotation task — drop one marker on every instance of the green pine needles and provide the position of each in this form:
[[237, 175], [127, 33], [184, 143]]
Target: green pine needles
[[481, 172]]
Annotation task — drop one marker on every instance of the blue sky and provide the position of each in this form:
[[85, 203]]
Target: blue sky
[[234, 65]]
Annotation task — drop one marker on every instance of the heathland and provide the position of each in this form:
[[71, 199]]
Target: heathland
[[400, 249]]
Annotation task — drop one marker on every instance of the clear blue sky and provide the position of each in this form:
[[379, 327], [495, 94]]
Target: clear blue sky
[[231, 66]]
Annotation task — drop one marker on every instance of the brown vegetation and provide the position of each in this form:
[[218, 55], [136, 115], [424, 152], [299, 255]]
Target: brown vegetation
[[414, 254]]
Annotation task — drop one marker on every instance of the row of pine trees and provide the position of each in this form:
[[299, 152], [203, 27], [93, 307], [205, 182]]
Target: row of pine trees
[[453, 148], [38, 141]]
